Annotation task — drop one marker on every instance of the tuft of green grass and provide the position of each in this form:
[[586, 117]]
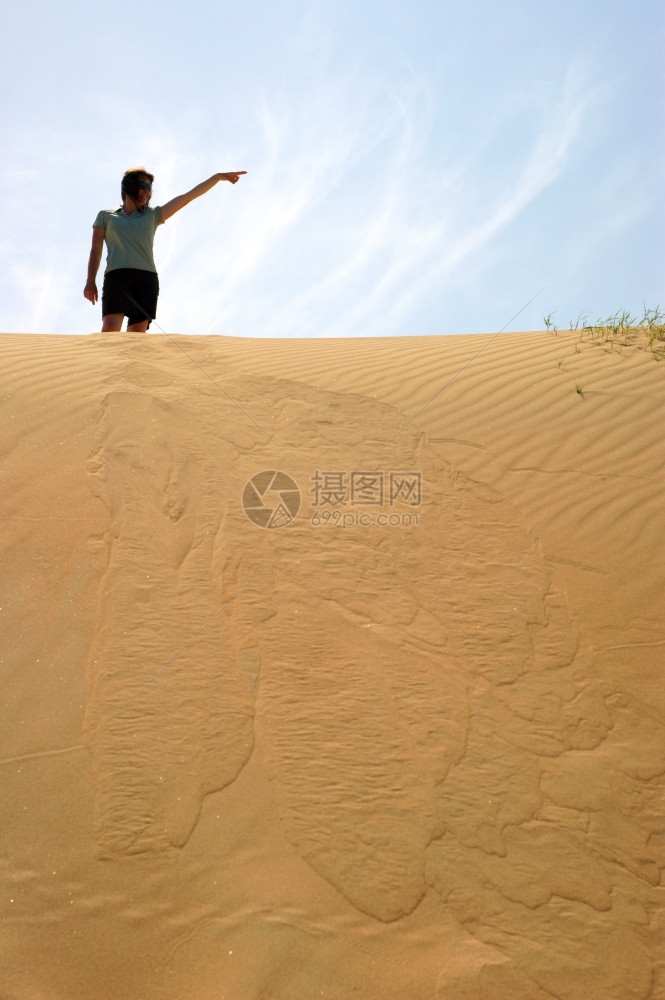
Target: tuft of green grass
[[581, 318], [646, 332], [579, 390]]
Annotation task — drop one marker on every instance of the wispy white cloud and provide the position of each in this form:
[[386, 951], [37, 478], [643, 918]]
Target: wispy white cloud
[[346, 223], [560, 123], [286, 233]]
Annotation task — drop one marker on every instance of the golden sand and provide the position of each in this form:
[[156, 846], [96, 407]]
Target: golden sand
[[406, 745]]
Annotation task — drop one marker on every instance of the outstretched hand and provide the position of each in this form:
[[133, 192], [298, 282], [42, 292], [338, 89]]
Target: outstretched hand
[[233, 176]]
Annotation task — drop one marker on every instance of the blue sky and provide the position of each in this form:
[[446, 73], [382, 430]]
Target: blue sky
[[413, 167]]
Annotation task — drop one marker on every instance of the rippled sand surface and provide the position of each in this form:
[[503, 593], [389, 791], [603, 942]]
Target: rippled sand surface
[[331, 669]]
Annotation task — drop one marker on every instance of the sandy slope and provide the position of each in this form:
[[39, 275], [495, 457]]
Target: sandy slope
[[414, 760]]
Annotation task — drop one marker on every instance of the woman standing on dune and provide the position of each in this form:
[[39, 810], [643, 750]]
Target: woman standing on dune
[[131, 285]]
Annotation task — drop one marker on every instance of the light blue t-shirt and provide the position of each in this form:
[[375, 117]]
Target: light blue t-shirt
[[129, 238]]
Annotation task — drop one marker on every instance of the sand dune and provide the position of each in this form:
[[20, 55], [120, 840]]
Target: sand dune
[[407, 744]]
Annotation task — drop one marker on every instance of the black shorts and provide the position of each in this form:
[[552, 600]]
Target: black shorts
[[130, 292]]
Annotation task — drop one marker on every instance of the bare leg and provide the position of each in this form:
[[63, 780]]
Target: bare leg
[[112, 323], [141, 327]]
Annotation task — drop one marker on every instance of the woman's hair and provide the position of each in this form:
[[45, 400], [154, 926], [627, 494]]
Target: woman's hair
[[130, 181]]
